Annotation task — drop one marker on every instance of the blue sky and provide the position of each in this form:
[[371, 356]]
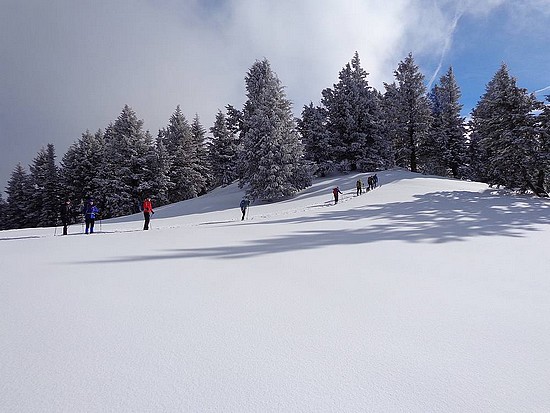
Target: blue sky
[[68, 66]]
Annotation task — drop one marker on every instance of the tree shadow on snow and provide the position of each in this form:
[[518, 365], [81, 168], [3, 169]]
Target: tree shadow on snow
[[438, 217]]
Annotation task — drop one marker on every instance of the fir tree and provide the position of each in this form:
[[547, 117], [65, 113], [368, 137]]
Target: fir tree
[[181, 144], [408, 103], [504, 124], [444, 151], [161, 168], [19, 190], [3, 209], [543, 177], [272, 154], [201, 164], [126, 175], [45, 200], [354, 120], [81, 168], [316, 138], [223, 151]]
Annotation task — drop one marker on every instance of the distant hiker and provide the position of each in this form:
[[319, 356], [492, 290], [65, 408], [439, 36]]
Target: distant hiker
[[375, 180], [245, 203], [65, 214], [369, 183], [335, 192], [359, 186], [90, 214], [147, 211]]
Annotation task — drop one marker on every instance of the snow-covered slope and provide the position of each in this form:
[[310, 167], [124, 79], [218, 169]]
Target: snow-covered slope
[[426, 294]]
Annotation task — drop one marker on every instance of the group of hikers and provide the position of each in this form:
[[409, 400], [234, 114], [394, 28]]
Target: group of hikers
[[372, 182], [91, 211]]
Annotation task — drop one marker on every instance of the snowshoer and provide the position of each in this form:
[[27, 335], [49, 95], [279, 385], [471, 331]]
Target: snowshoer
[[90, 213], [147, 211], [375, 180], [65, 214], [335, 192], [359, 186], [369, 183], [245, 203]]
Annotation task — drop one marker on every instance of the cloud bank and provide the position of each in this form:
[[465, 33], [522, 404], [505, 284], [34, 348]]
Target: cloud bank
[[70, 66]]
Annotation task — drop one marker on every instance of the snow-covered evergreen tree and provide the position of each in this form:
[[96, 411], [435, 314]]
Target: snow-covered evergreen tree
[[126, 175], [45, 200], [223, 151], [407, 102], [3, 209], [201, 162], [161, 167], [185, 170], [354, 120], [543, 178], [272, 154], [19, 190], [504, 124], [81, 168], [316, 139], [444, 151]]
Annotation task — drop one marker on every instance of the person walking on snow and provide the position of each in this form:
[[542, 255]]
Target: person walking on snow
[[65, 214], [359, 186], [335, 192], [147, 211], [245, 203], [90, 214]]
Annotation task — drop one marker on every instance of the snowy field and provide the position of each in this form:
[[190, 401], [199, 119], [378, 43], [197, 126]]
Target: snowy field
[[424, 295]]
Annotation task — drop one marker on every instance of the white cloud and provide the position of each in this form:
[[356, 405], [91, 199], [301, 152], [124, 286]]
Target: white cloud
[[70, 66]]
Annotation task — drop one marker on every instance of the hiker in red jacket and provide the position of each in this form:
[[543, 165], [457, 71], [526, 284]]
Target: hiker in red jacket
[[147, 211]]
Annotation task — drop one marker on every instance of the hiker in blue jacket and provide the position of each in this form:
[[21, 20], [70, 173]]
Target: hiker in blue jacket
[[90, 214]]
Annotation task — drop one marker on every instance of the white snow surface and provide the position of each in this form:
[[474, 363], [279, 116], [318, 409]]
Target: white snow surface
[[424, 295]]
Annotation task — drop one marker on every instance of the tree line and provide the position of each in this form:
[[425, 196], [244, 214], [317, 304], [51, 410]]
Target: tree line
[[274, 155]]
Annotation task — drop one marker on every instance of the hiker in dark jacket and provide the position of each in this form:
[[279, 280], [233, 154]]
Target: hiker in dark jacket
[[359, 186], [245, 203], [65, 215], [335, 192]]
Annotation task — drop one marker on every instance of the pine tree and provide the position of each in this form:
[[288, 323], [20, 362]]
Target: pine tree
[[81, 170], [223, 151], [444, 151], [161, 167], [316, 139], [408, 103], [3, 210], [19, 190], [272, 154], [45, 200], [182, 146], [543, 177], [201, 164], [505, 130], [126, 175], [354, 120]]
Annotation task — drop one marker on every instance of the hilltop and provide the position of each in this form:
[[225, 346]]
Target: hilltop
[[426, 294]]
